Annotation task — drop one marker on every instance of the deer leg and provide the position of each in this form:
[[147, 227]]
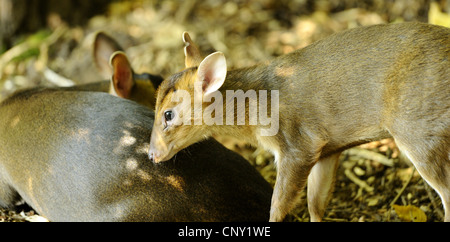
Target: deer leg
[[320, 185]]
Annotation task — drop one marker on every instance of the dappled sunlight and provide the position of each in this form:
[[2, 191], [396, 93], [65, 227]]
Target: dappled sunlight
[[82, 134], [145, 176], [131, 164], [31, 195], [143, 148], [14, 121], [176, 182], [285, 71], [127, 139]]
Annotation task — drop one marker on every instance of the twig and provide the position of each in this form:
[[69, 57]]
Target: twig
[[57, 79], [357, 181], [42, 60], [403, 188], [370, 155], [335, 219], [11, 53]]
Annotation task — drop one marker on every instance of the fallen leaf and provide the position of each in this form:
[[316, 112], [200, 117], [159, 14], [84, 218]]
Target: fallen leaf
[[436, 16], [410, 213], [372, 201]]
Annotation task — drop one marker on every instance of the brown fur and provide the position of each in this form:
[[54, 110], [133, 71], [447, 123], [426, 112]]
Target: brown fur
[[82, 156], [353, 87]]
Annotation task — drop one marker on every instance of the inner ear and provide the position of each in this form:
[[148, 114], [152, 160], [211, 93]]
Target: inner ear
[[104, 47], [122, 79], [212, 72]]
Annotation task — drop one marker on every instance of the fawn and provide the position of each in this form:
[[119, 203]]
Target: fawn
[[356, 86]]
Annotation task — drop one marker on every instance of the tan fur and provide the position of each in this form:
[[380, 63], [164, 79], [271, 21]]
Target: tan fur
[[113, 64], [353, 87]]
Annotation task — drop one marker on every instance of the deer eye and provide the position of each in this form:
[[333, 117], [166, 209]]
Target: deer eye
[[168, 115]]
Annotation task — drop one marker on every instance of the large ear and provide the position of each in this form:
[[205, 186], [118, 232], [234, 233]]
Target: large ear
[[104, 47], [191, 51], [122, 78], [212, 72]]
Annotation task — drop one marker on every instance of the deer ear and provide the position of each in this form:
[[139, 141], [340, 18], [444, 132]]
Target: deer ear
[[104, 47], [212, 72], [122, 78], [191, 52]]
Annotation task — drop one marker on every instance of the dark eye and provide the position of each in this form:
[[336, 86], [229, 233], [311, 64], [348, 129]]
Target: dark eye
[[168, 115]]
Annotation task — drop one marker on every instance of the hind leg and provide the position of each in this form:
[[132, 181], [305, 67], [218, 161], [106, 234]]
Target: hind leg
[[320, 185], [431, 157]]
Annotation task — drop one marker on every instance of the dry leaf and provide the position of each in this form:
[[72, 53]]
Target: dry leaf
[[36, 218], [410, 213], [435, 16], [373, 201]]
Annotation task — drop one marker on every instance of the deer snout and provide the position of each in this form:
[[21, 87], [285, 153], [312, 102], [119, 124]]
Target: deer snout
[[151, 155], [157, 152], [154, 156]]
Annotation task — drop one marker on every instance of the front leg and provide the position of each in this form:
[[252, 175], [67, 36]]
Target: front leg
[[292, 174]]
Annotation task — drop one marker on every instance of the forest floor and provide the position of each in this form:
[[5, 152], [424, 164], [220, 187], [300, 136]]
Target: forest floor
[[374, 181]]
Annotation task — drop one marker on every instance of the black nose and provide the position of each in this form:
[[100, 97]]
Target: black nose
[[150, 156]]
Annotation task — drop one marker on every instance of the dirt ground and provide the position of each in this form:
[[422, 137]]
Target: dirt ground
[[374, 181]]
